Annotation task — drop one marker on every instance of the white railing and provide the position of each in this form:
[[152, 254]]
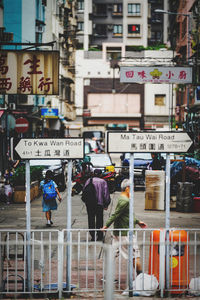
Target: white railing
[[93, 268]]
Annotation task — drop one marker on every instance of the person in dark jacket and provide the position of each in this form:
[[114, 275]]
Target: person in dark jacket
[[95, 212], [156, 163]]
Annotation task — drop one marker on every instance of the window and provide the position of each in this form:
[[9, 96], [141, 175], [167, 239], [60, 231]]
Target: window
[[101, 9], [156, 36], [80, 5], [160, 100], [134, 28], [80, 26], [117, 9], [134, 9], [117, 30], [101, 29]]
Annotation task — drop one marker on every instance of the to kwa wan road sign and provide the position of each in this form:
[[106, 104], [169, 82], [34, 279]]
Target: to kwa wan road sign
[[166, 142], [67, 148]]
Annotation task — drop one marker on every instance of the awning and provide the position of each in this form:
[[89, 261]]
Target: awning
[[67, 80]]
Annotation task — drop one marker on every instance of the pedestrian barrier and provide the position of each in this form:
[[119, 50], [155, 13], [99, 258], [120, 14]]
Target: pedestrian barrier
[[97, 268]]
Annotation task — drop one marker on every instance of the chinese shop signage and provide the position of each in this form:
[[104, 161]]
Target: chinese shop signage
[[29, 72], [156, 74]]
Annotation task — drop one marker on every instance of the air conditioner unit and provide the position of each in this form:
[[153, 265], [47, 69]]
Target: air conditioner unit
[[12, 105], [39, 29], [110, 27]]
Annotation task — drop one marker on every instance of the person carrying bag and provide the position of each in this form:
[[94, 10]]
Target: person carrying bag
[[50, 193]]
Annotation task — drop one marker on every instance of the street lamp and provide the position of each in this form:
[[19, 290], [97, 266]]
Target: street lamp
[[161, 11]]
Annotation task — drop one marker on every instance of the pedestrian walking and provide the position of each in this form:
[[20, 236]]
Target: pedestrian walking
[[50, 193], [96, 197], [120, 218], [156, 163]]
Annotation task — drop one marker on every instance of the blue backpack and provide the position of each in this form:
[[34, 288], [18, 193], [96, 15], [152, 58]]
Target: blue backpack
[[49, 191]]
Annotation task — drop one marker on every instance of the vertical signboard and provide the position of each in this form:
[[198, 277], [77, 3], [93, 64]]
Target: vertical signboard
[[29, 72]]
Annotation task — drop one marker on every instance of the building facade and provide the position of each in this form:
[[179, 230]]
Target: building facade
[[113, 34]]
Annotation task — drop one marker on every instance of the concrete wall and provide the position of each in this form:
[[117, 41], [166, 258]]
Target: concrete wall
[[28, 20], [140, 40], [13, 18], [88, 69]]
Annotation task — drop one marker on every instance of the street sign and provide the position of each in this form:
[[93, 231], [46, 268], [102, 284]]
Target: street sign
[[156, 74], [133, 142], [21, 125], [49, 148]]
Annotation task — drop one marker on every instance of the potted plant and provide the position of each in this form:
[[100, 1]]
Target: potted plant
[[18, 183]]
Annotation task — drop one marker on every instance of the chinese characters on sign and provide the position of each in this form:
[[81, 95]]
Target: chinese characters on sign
[[156, 74], [29, 72], [68, 148], [165, 142]]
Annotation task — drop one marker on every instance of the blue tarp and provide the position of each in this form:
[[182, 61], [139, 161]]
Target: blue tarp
[[177, 166]]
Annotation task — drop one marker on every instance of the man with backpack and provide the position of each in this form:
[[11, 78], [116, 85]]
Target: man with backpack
[[96, 197], [50, 192]]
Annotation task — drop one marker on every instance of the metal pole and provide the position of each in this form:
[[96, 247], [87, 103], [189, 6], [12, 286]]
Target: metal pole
[[188, 58], [172, 104], [109, 288], [69, 217], [60, 262], [167, 216], [169, 119], [131, 225], [28, 225]]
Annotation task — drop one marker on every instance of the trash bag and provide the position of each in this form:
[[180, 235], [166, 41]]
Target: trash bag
[[144, 285], [194, 286]]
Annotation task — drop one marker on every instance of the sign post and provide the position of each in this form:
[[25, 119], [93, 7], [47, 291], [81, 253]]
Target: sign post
[[50, 148], [134, 142], [68, 213], [28, 225], [68, 148], [131, 225]]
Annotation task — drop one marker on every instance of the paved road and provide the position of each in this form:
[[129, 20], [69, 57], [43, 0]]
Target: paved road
[[13, 216]]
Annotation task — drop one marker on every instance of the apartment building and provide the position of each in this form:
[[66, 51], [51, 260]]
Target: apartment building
[[114, 33]]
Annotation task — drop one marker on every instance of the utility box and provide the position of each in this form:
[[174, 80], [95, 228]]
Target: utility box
[[155, 190]]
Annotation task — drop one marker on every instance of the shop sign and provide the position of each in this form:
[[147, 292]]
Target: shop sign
[[49, 113], [156, 74], [29, 72]]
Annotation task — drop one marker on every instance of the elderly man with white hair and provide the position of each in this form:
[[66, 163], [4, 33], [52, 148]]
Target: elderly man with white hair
[[120, 218]]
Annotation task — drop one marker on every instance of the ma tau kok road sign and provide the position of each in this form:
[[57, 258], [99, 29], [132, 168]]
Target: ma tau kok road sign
[[21, 125], [166, 142], [67, 148]]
